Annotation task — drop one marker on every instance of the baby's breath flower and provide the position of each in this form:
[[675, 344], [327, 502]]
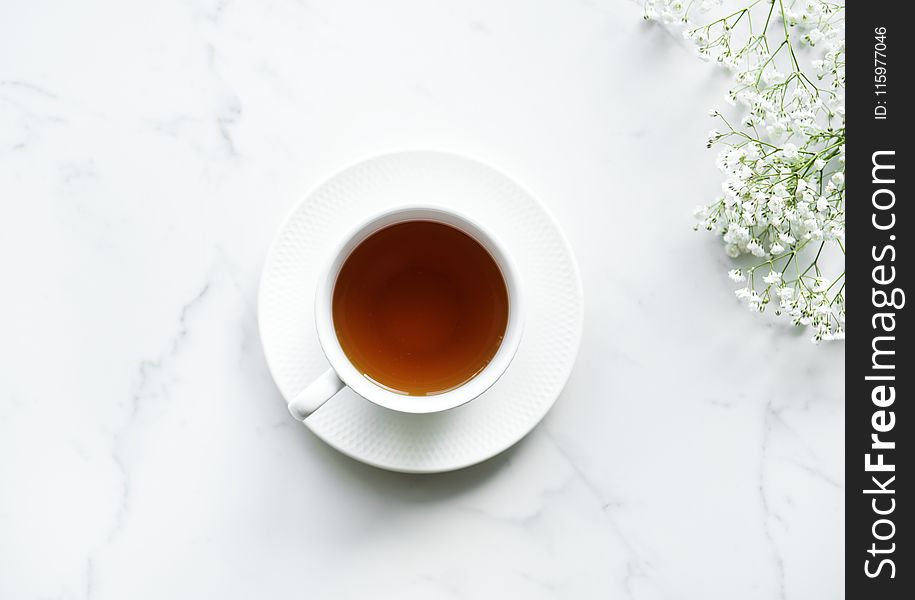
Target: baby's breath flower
[[755, 248], [789, 152], [782, 200], [773, 277]]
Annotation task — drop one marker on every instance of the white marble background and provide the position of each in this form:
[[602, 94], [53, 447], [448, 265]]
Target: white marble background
[[149, 150]]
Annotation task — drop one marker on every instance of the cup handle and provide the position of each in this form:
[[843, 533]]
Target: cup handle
[[316, 394]]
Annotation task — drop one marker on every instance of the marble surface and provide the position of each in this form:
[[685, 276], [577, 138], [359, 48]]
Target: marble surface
[[148, 152]]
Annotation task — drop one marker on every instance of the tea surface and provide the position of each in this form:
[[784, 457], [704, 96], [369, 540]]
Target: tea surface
[[420, 307]]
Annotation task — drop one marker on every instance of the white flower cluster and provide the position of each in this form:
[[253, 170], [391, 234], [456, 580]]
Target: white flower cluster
[[783, 197]]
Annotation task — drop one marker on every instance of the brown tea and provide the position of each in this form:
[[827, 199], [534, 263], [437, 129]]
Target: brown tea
[[420, 307]]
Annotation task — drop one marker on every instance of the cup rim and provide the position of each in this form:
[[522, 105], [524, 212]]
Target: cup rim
[[363, 386]]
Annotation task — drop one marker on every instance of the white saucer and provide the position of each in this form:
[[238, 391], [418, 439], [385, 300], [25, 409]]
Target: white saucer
[[424, 443]]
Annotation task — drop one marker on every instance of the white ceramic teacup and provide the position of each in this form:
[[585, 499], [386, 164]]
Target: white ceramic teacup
[[342, 373]]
